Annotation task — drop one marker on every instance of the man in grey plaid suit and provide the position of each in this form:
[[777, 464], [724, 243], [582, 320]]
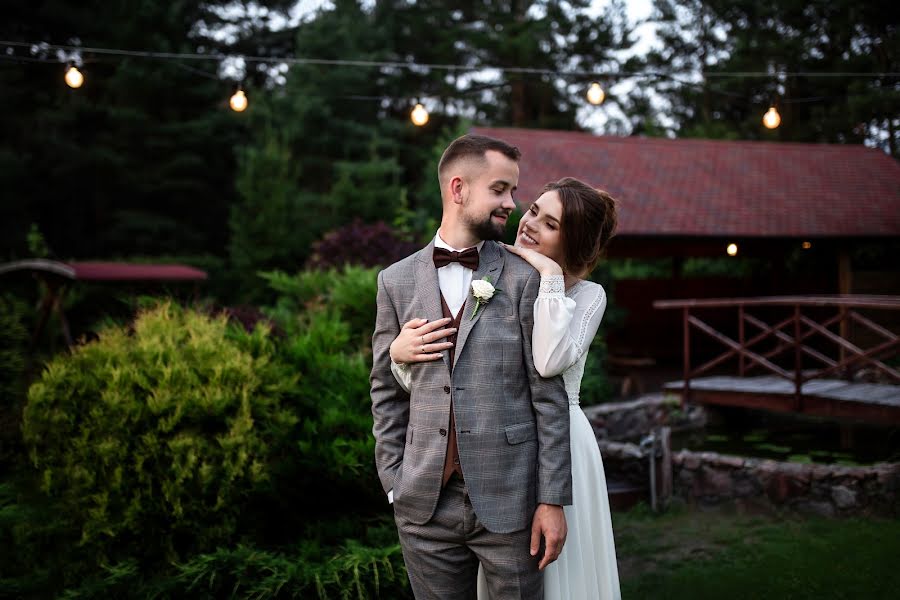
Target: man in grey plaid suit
[[476, 456]]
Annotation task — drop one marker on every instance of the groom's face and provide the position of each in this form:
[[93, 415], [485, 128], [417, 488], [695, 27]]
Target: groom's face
[[489, 198]]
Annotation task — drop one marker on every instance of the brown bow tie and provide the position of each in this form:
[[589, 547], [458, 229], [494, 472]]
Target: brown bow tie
[[467, 258]]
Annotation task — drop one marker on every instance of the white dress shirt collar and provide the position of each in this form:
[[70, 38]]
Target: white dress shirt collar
[[440, 243]]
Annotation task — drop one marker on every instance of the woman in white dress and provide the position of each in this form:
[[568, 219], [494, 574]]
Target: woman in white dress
[[562, 235]]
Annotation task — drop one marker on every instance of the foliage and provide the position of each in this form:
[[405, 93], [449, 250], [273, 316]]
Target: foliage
[[595, 385], [13, 337], [369, 566], [351, 571], [273, 225], [631, 268], [38, 543], [153, 439], [13, 341], [735, 267], [360, 244], [328, 317], [37, 244], [662, 268], [715, 37], [318, 157], [538, 34], [69, 160], [348, 292]]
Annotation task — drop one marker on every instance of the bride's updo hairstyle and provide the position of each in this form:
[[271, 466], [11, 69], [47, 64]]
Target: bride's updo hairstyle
[[588, 222]]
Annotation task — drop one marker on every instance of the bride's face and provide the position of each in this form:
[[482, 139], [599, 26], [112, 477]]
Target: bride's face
[[539, 228]]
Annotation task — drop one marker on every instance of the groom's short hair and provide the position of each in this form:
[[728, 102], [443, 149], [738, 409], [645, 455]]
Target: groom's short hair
[[474, 147]]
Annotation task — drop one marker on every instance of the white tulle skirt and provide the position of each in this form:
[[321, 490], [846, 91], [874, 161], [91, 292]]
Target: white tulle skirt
[[586, 569]]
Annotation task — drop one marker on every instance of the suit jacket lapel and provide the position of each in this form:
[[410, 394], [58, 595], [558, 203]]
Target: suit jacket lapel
[[428, 289], [490, 264]]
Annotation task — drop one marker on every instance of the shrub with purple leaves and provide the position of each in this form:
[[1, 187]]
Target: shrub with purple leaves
[[364, 244]]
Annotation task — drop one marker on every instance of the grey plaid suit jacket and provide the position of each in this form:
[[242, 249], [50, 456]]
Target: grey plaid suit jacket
[[512, 425]]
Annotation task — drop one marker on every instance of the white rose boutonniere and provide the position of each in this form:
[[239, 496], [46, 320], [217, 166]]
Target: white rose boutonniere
[[482, 291]]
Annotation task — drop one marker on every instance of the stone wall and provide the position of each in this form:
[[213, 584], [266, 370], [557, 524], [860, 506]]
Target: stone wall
[[707, 478], [629, 421]]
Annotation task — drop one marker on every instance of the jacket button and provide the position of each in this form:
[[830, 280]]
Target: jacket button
[[446, 389], [443, 432]]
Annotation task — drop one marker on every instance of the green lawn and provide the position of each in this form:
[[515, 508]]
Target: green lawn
[[700, 555]]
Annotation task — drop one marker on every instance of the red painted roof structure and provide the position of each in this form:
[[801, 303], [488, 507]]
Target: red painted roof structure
[[699, 188], [107, 271]]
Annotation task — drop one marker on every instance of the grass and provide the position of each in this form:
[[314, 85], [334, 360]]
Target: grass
[[702, 555]]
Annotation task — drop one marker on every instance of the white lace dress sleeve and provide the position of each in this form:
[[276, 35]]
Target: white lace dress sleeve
[[401, 374], [564, 324]]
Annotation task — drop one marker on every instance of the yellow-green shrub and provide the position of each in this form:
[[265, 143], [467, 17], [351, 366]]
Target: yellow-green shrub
[[154, 438]]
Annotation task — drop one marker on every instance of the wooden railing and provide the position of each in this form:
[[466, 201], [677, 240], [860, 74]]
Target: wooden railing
[[792, 334]]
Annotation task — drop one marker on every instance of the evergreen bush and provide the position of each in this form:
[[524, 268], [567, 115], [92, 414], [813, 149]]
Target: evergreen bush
[[327, 318], [152, 439], [348, 293], [354, 570]]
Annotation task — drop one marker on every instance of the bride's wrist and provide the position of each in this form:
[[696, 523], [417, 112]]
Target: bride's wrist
[[551, 271]]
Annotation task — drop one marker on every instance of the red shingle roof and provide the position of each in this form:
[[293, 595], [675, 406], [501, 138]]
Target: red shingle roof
[[106, 271], [691, 187]]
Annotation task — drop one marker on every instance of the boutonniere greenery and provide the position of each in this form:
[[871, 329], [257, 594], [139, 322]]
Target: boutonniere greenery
[[482, 291]]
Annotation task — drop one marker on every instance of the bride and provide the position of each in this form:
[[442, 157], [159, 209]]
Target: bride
[[562, 236]]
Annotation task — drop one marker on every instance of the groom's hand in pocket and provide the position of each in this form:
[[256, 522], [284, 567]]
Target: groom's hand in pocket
[[549, 523]]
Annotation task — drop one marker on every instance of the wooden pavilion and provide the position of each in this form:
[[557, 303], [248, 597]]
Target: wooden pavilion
[[684, 198]]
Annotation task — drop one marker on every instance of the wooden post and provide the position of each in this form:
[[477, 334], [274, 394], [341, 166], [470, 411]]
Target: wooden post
[[63, 322], [665, 467], [43, 312], [686, 388], [845, 286], [798, 361], [741, 340]]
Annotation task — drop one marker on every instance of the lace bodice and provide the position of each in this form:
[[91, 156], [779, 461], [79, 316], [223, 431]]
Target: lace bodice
[[565, 322]]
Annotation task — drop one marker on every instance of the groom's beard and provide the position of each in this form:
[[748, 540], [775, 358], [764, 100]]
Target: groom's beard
[[487, 229]]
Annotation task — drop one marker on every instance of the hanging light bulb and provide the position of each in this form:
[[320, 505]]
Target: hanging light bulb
[[771, 119], [238, 101], [732, 249], [74, 78], [595, 94], [419, 115]]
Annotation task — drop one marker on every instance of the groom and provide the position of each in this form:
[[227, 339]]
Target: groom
[[476, 456]]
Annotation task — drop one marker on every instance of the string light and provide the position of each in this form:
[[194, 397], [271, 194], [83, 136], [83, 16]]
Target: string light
[[74, 78], [595, 94], [732, 249], [418, 115], [771, 119], [238, 101], [806, 245], [649, 73]]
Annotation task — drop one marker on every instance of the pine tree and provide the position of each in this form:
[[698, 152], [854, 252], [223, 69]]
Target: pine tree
[[718, 37]]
